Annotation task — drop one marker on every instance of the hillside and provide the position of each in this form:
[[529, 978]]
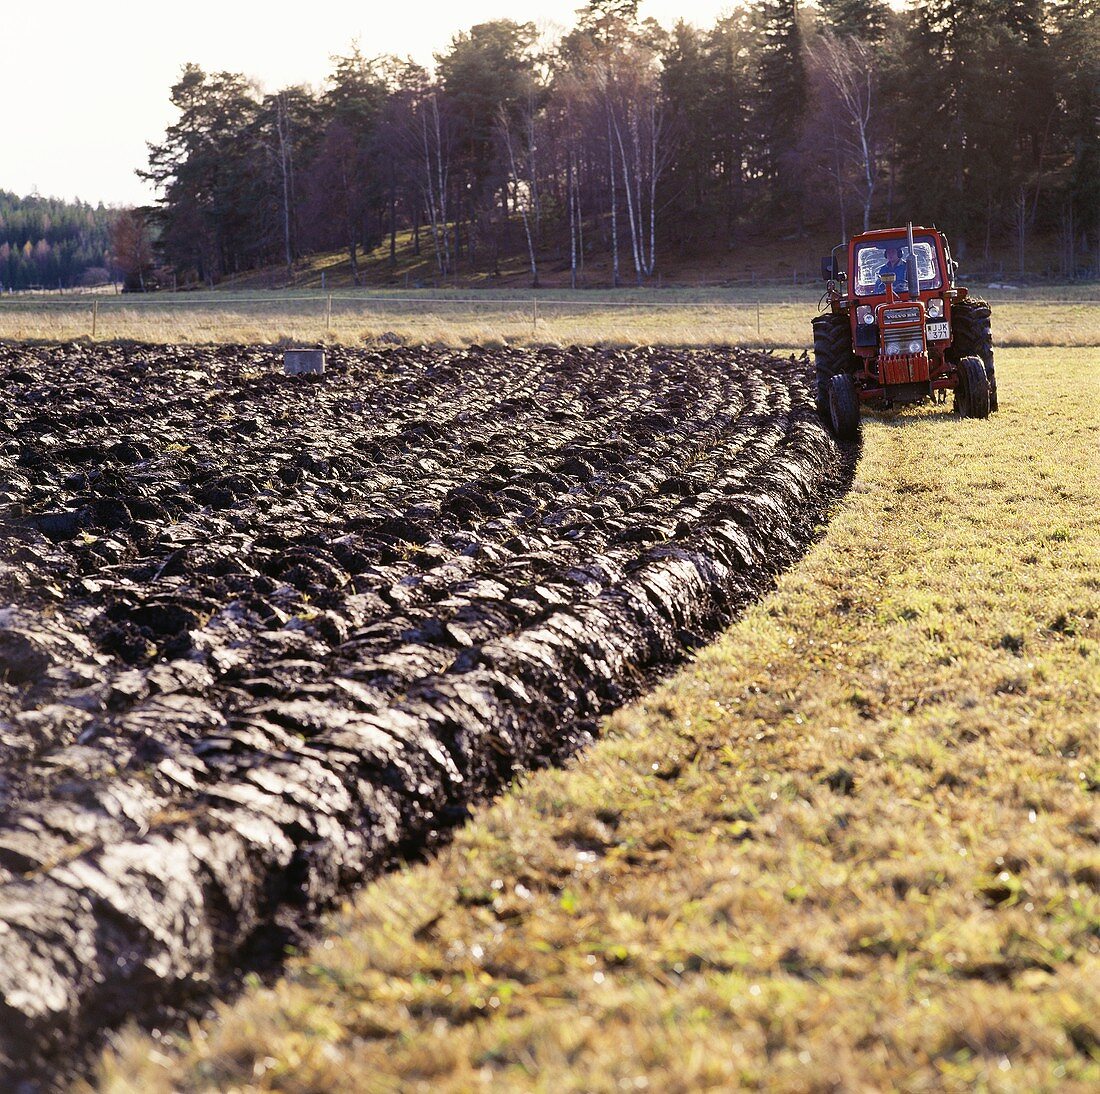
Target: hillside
[[756, 258]]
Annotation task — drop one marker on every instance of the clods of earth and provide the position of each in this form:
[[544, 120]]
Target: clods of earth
[[262, 636]]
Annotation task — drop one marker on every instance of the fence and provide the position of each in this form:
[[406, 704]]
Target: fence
[[327, 310], [684, 316]]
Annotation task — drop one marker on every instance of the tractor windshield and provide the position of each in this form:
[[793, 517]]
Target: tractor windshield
[[872, 258]]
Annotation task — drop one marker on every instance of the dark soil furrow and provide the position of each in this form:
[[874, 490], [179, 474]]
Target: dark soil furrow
[[264, 636]]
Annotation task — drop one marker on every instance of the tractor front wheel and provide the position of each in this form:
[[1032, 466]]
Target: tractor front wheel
[[972, 393], [844, 407]]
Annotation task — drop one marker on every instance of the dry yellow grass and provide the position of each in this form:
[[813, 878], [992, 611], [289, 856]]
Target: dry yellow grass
[[628, 317], [853, 846]]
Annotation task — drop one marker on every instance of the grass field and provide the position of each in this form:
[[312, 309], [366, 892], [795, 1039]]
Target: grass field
[[772, 316], [853, 846]]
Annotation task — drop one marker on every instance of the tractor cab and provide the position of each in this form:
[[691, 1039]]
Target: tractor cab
[[871, 257], [867, 255]]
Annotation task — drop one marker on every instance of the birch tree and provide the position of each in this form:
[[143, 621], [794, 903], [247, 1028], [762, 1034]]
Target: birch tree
[[284, 157], [848, 66], [435, 179], [636, 116], [522, 189]]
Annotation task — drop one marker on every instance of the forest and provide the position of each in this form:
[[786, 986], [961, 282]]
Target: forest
[[621, 142], [47, 243]]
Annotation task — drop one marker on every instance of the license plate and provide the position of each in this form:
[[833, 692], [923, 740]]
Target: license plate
[[938, 332]]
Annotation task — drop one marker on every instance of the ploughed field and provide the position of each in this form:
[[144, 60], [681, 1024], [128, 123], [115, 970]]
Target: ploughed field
[[261, 636]]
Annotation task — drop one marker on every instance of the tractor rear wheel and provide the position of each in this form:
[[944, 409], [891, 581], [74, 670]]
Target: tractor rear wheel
[[844, 407], [972, 394], [972, 336], [832, 354]]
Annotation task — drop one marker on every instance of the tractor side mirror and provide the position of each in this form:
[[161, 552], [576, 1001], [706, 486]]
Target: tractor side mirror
[[828, 269]]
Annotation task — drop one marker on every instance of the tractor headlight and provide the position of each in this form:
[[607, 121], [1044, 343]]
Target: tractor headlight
[[916, 346], [893, 349], [935, 308], [865, 314]]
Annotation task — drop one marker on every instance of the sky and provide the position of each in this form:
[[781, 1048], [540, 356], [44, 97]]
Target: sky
[[86, 85]]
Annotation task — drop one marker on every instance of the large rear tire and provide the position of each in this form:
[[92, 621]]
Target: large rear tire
[[844, 407], [972, 394], [832, 354], [972, 336]]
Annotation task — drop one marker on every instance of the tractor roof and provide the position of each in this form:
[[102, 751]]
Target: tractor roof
[[890, 233]]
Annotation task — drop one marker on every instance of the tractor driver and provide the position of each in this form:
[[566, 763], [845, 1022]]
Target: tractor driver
[[895, 266]]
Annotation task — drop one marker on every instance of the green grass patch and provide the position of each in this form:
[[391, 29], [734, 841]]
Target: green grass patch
[[852, 846]]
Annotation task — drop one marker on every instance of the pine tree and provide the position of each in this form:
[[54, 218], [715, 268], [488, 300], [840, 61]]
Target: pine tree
[[486, 78], [781, 101], [864, 19], [1076, 49], [686, 80], [206, 169]]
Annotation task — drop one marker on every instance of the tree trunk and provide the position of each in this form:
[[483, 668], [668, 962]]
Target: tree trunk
[[436, 211], [1021, 227], [572, 228], [442, 183], [393, 219], [281, 131], [533, 175], [522, 206], [614, 207], [654, 137], [629, 200], [580, 224]]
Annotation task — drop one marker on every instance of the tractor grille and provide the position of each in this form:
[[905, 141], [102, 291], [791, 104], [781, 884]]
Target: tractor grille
[[904, 332], [904, 325]]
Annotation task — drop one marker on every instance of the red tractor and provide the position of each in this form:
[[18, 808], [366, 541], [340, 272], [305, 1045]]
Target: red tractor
[[898, 330]]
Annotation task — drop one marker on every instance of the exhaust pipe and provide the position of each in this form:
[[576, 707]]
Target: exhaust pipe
[[911, 266]]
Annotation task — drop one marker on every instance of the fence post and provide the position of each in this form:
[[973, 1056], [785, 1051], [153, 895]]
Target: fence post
[[758, 317], [95, 315], [328, 313], [534, 316]]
